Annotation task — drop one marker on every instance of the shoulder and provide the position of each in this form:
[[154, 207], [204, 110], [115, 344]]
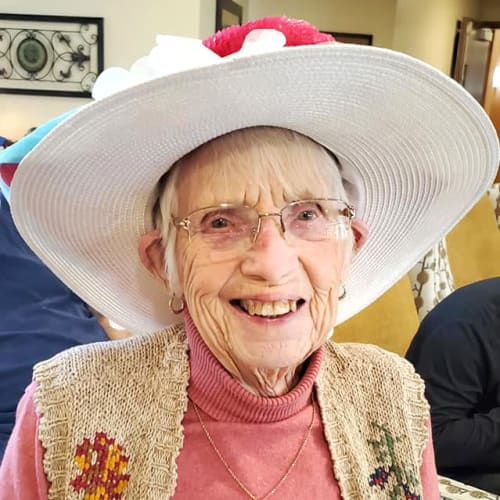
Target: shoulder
[[366, 376], [361, 372], [113, 358], [376, 370], [466, 309], [460, 325], [355, 356]]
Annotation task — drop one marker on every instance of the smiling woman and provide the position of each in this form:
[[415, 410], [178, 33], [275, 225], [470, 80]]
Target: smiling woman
[[224, 190], [262, 276]]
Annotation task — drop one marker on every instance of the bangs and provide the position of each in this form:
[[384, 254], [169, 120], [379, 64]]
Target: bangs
[[250, 157]]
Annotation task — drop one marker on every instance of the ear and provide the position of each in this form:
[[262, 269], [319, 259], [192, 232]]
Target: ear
[[151, 252], [360, 230]]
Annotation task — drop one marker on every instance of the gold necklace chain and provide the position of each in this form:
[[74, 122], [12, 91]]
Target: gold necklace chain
[[233, 475]]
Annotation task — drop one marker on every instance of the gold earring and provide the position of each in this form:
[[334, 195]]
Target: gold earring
[[343, 294], [180, 304]]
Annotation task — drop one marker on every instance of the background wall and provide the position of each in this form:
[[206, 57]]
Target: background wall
[[129, 30], [207, 16], [422, 28], [426, 29], [355, 16]]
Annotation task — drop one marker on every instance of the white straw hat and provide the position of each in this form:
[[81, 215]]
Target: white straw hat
[[416, 152]]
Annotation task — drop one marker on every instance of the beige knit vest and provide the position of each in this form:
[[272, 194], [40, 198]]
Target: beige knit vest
[[112, 413]]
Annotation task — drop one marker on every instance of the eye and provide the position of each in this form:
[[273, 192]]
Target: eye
[[216, 221], [307, 215], [219, 223], [307, 212]]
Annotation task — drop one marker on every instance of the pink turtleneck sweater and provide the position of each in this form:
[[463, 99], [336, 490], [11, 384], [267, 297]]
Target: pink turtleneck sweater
[[258, 438]]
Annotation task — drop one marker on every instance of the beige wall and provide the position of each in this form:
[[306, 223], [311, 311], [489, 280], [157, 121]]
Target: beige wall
[[207, 16], [426, 28], [354, 16], [129, 30], [422, 28]]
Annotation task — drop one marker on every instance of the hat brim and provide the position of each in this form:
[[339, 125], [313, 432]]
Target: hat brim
[[417, 151]]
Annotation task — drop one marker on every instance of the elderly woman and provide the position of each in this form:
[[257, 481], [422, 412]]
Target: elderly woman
[[220, 182]]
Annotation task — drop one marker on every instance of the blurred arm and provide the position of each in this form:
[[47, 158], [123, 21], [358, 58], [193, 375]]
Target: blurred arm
[[21, 474]]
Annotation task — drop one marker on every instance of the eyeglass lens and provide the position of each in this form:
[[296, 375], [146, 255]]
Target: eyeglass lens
[[308, 220]]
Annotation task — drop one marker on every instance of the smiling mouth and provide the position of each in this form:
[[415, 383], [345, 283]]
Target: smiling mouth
[[270, 310]]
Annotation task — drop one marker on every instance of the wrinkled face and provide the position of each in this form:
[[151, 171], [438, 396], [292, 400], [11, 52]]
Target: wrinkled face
[[271, 304]]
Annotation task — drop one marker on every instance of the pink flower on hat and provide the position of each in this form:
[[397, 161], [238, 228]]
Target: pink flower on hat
[[296, 32]]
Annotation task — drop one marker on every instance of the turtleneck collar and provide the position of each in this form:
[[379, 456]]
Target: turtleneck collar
[[224, 398]]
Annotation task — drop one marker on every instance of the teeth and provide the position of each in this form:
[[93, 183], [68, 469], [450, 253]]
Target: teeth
[[266, 309], [275, 308]]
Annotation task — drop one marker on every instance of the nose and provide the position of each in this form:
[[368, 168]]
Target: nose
[[270, 258]]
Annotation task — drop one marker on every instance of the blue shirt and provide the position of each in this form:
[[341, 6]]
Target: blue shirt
[[457, 352], [39, 317]]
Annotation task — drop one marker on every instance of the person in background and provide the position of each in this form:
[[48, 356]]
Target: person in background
[[39, 315], [233, 200], [4, 142], [457, 352]]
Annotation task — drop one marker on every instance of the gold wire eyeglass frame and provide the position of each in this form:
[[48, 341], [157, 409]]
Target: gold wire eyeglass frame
[[185, 222]]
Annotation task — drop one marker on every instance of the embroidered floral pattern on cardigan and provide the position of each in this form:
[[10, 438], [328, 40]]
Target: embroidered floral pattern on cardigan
[[103, 465], [391, 474]]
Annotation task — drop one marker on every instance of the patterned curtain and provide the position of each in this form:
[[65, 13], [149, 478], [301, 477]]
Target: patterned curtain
[[494, 195], [431, 277]]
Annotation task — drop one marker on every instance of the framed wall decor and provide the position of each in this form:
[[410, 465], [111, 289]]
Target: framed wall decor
[[51, 55], [359, 38], [227, 13]]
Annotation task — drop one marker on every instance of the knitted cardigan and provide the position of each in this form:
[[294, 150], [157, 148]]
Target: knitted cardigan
[[112, 413]]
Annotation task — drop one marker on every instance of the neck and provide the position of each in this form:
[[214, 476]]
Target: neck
[[269, 383], [259, 381], [226, 397]]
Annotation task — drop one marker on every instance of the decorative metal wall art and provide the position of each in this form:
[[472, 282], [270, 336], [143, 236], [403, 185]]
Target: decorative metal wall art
[[55, 55]]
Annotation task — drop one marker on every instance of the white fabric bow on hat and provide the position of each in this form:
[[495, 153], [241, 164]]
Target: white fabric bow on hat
[[173, 54]]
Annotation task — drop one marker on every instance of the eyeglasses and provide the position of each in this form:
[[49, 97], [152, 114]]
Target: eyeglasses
[[226, 226]]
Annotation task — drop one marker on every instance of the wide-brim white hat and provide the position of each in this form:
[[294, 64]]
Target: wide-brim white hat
[[416, 152]]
